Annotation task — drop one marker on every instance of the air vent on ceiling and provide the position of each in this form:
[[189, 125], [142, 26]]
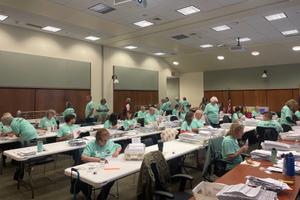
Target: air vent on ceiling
[[101, 8], [180, 37], [34, 26]]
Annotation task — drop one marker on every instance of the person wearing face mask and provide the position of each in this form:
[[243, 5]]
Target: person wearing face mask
[[231, 151], [212, 112], [99, 149]]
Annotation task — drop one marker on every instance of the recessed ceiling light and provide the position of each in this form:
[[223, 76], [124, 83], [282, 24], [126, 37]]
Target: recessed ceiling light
[[188, 10], [220, 57], [159, 53], [255, 53], [175, 63], [276, 16], [221, 28], [290, 32], [92, 38], [130, 47], [143, 23], [3, 17], [206, 46], [245, 39], [51, 28], [296, 48]]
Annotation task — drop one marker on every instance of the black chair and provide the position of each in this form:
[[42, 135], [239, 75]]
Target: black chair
[[148, 141], [226, 119], [141, 121], [168, 112], [135, 115], [173, 118], [264, 133]]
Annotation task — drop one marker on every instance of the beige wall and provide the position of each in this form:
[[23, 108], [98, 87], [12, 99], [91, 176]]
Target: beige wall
[[191, 87], [26, 41], [122, 58]]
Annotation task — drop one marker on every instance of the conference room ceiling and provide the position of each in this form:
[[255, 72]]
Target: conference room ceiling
[[246, 18]]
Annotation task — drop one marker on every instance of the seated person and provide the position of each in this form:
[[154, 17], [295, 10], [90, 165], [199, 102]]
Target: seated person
[[197, 121], [101, 148], [142, 113], [69, 110], [237, 115], [21, 128], [49, 120], [4, 129], [255, 112], [181, 113], [175, 111], [286, 118], [297, 113], [186, 126], [231, 151], [269, 123], [112, 122], [151, 116], [129, 122], [68, 129]]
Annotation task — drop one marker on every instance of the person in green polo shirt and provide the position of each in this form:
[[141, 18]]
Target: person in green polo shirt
[[175, 111], [297, 113], [89, 110], [212, 112], [97, 150], [112, 122], [151, 116], [186, 126], [69, 110], [20, 127], [49, 120], [185, 104], [129, 122], [68, 129], [269, 123], [197, 121], [231, 150], [102, 111], [4, 129], [286, 118], [142, 113], [237, 115]]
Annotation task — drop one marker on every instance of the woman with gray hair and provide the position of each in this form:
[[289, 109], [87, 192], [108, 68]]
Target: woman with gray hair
[[212, 112], [49, 120]]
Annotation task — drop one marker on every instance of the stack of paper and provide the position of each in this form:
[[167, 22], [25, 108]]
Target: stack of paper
[[291, 135], [267, 183], [27, 152], [261, 154], [269, 145], [242, 191], [250, 122], [194, 138]]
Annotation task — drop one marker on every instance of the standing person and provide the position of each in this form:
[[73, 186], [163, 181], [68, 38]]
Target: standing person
[[175, 111], [203, 103], [89, 110], [97, 150], [231, 150], [185, 104], [168, 106], [49, 120], [69, 109], [102, 110], [177, 101], [286, 118], [127, 107], [163, 106], [229, 107], [212, 112]]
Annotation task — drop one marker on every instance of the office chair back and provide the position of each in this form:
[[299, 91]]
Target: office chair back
[[141, 121], [173, 118], [226, 119], [264, 133]]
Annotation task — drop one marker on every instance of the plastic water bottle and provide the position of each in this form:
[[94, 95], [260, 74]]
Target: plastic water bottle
[[40, 146], [290, 165], [274, 156], [284, 164]]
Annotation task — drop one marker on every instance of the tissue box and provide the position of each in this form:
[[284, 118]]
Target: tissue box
[[135, 151], [207, 191]]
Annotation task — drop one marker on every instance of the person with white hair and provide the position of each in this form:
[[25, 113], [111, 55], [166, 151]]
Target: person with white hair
[[49, 120], [212, 112], [151, 116], [197, 121]]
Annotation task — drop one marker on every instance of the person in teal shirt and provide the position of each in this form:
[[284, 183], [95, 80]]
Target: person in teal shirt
[[186, 126], [96, 151], [177, 101], [286, 118], [151, 116], [212, 112], [49, 120], [297, 113], [112, 122], [175, 111], [269, 123], [102, 110], [142, 113], [69, 109], [237, 115], [89, 110], [129, 122], [185, 104], [4, 129], [255, 112], [197, 121], [182, 113], [163, 106], [68, 129], [20, 127], [231, 150], [168, 106]]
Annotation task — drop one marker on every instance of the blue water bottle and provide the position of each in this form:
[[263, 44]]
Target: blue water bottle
[[291, 165]]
